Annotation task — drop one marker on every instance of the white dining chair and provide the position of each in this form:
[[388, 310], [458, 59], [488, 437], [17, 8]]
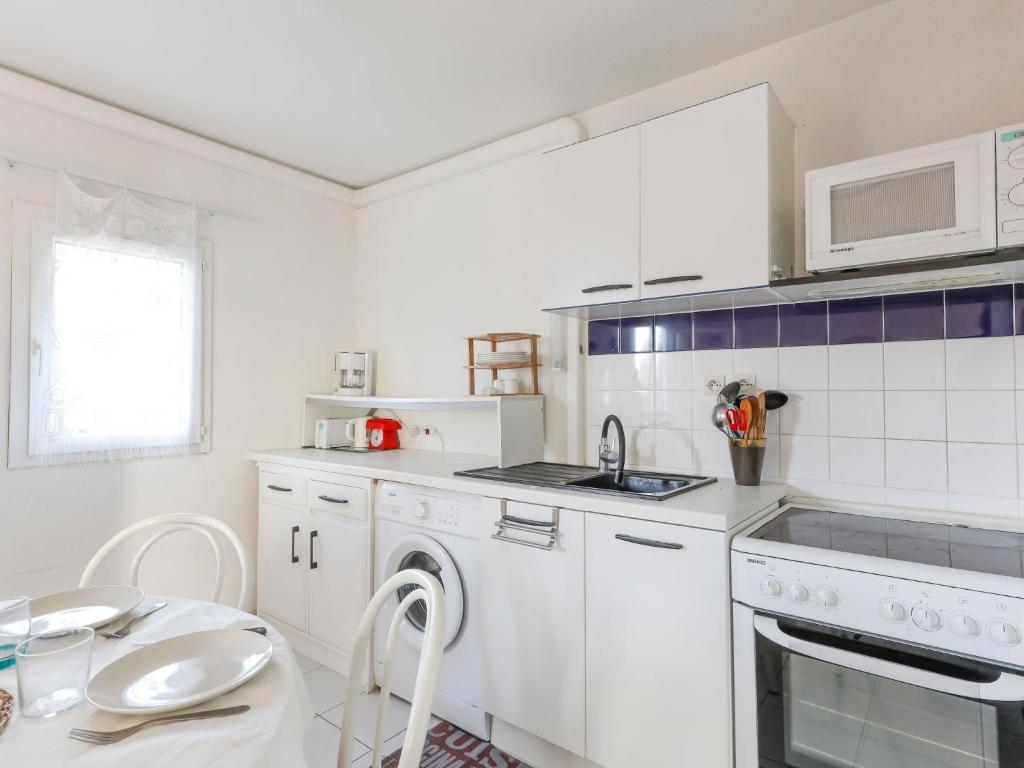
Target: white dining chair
[[204, 525], [429, 590]]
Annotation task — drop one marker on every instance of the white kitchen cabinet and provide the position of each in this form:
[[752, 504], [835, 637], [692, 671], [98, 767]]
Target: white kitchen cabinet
[[313, 563], [714, 181], [592, 221], [658, 645], [534, 649], [281, 577]]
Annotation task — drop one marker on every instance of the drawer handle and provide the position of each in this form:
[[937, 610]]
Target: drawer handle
[[676, 279], [295, 530], [647, 542], [333, 500], [312, 563], [611, 287], [280, 488]]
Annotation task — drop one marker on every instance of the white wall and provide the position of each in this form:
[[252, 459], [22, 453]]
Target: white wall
[[466, 255], [283, 303]]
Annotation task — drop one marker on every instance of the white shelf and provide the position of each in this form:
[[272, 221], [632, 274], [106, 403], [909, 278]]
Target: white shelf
[[417, 403]]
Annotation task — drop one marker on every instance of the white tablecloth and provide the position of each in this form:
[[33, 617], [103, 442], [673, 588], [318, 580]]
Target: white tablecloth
[[269, 734]]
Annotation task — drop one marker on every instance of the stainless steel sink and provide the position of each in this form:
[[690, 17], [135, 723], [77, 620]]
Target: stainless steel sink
[[644, 485], [654, 486]]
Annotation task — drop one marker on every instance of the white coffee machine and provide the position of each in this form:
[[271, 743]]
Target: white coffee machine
[[353, 373]]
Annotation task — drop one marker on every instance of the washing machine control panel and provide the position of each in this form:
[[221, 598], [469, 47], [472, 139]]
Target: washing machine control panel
[[430, 509]]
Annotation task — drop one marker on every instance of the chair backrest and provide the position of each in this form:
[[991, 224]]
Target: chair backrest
[[182, 521], [429, 590]]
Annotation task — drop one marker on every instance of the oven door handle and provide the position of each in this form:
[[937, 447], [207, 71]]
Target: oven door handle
[[1006, 687]]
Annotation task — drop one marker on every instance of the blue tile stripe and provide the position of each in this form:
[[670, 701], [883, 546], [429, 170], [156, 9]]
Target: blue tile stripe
[[962, 313]]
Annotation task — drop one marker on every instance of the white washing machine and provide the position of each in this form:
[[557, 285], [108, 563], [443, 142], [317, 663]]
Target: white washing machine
[[439, 532]]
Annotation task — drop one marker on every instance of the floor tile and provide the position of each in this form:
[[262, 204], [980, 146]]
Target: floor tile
[[326, 688], [395, 720], [306, 664], [321, 747], [386, 748]]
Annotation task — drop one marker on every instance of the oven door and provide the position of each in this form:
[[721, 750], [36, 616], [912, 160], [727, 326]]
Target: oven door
[[830, 698]]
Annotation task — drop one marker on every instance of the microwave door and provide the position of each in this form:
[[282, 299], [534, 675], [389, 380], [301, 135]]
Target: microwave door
[[834, 699]]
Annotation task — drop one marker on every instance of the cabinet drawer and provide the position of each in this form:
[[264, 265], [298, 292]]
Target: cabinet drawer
[[281, 488], [338, 499]]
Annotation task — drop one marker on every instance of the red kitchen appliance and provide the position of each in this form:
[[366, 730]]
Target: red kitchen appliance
[[383, 434]]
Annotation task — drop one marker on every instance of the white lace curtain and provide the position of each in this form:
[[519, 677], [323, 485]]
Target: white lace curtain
[[116, 315]]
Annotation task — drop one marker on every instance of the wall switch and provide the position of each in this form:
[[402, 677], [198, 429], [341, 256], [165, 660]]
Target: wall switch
[[713, 384], [748, 383]]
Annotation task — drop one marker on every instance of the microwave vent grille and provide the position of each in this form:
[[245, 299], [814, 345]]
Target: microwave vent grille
[[904, 203]]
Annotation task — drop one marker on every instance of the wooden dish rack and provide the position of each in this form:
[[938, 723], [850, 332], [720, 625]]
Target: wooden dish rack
[[494, 339]]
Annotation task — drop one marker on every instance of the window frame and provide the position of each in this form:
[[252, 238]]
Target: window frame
[[28, 220]]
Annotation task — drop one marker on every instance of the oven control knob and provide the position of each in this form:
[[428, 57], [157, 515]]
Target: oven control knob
[[893, 611], [826, 597], [1003, 632], [926, 618], [962, 625], [798, 593], [771, 586], [421, 510]]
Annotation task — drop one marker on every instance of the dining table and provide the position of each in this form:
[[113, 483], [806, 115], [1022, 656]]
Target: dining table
[[270, 733]]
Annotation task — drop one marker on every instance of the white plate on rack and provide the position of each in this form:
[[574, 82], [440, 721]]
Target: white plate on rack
[[83, 607], [483, 358], [179, 672]]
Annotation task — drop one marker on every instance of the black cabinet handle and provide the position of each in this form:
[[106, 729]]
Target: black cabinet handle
[[279, 488], [312, 562], [676, 279], [647, 542], [611, 287], [295, 530], [333, 500]]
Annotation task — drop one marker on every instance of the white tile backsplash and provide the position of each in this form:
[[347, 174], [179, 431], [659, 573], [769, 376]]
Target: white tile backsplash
[[981, 417], [931, 424], [856, 414], [856, 461], [855, 366], [980, 363], [915, 364], [803, 368]]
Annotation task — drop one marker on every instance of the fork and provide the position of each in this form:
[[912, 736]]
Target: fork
[[124, 630], [112, 737]]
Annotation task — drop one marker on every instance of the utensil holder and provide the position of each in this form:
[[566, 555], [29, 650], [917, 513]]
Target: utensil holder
[[747, 460]]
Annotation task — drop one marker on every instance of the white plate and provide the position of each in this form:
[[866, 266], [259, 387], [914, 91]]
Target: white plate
[[179, 672], [85, 607]]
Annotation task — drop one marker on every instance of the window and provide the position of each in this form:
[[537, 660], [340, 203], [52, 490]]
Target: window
[[110, 347]]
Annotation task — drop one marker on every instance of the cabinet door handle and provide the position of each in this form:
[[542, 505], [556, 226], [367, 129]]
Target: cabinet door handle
[[279, 488], [676, 279], [333, 500], [611, 287], [647, 542], [295, 530], [312, 562]]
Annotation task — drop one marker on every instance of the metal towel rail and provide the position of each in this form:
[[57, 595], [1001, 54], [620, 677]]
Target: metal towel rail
[[543, 528]]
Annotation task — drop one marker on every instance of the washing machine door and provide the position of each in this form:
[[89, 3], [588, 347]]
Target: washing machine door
[[415, 550]]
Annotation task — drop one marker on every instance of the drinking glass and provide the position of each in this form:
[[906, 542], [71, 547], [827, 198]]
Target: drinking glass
[[53, 670], [15, 623]]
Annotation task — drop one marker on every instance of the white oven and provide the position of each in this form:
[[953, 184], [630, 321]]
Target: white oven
[[952, 198]]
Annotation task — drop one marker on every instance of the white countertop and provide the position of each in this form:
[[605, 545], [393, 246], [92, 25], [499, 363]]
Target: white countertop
[[720, 506]]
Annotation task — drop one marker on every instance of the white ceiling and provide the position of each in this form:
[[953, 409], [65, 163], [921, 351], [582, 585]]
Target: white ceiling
[[361, 91]]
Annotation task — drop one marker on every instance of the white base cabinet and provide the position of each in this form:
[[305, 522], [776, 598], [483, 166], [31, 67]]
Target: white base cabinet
[[658, 645], [613, 647], [313, 563], [534, 669]]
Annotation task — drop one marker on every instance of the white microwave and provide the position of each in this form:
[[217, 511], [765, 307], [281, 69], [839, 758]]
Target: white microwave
[[947, 199]]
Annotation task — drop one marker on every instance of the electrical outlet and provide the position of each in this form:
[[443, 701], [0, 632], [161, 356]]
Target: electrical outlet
[[412, 430], [713, 384], [748, 383]]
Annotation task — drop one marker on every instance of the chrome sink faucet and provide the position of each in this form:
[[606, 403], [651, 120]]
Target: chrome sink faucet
[[606, 456]]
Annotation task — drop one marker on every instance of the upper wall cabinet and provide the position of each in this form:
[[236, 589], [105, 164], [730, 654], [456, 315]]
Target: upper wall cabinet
[[592, 210], [696, 201]]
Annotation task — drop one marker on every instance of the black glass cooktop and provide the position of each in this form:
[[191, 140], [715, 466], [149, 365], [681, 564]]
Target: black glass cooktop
[[952, 546]]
